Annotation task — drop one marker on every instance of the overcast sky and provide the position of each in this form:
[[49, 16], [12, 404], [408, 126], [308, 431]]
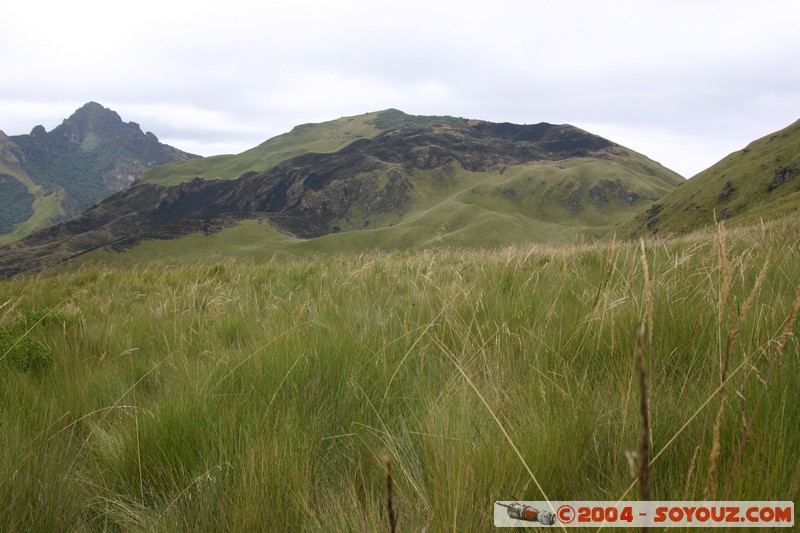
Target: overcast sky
[[683, 81]]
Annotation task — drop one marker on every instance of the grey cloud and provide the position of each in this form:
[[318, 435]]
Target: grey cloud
[[233, 74]]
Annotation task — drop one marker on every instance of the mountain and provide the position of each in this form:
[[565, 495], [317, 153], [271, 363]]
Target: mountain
[[760, 182], [88, 157], [397, 181]]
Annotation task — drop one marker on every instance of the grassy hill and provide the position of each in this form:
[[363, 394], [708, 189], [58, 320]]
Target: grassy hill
[[232, 395], [760, 182], [323, 137]]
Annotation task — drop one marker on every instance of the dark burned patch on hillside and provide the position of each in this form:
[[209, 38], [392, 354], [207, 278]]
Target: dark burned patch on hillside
[[553, 142], [482, 147], [307, 195]]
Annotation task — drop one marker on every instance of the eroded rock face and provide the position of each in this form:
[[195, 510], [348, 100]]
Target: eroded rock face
[[783, 175], [607, 191], [122, 174]]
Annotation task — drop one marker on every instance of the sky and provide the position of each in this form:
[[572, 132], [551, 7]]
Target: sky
[[685, 82]]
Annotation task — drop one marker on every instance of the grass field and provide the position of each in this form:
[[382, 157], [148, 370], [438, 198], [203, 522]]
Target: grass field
[[267, 394]]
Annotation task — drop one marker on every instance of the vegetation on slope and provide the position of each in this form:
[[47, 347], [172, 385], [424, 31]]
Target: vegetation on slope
[[760, 182], [467, 210], [16, 203], [261, 395], [24, 205]]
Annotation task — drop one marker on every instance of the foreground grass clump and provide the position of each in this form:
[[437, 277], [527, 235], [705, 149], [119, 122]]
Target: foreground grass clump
[[267, 396]]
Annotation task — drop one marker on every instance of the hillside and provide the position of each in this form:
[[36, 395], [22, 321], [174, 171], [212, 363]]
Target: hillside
[[431, 181], [26, 206], [323, 137], [760, 182], [53, 175]]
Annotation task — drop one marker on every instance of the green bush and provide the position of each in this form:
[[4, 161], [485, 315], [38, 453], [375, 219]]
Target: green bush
[[20, 349], [22, 352], [43, 317], [393, 119]]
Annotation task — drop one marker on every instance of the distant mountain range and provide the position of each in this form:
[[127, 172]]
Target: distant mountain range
[[46, 177], [384, 179]]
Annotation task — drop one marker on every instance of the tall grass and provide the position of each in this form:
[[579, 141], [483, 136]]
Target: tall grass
[[270, 395]]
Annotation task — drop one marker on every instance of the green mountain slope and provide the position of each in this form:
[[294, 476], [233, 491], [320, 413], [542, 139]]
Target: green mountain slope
[[26, 206], [473, 209], [760, 182], [323, 137]]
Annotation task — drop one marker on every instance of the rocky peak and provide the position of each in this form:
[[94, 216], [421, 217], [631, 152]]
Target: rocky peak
[[92, 118], [94, 112], [93, 153]]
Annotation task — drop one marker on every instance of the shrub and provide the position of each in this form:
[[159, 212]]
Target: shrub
[[21, 351]]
